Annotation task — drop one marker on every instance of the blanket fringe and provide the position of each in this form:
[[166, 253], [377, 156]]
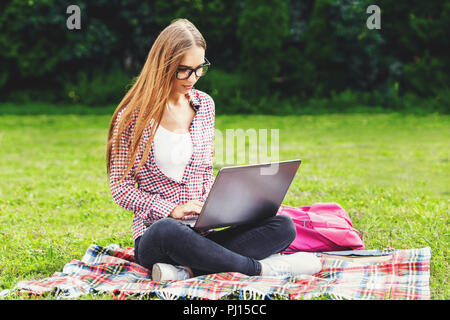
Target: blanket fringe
[[166, 295]]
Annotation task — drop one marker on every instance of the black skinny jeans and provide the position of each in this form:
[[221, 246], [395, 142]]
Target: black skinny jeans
[[235, 249]]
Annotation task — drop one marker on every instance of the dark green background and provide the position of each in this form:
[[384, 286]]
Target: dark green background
[[268, 56]]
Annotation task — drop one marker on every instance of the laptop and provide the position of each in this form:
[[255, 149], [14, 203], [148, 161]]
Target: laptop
[[242, 194]]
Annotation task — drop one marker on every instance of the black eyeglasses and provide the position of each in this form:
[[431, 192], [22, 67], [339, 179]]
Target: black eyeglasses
[[184, 73]]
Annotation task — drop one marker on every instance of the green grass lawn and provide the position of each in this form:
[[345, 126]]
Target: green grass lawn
[[389, 171]]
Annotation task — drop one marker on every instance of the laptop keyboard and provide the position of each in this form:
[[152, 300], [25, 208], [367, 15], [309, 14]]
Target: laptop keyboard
[[190, 217]]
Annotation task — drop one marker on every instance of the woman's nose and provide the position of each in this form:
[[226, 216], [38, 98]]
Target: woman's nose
[[192, 78]]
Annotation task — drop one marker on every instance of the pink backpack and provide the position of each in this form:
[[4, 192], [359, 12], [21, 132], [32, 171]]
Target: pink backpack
[[322, 227]]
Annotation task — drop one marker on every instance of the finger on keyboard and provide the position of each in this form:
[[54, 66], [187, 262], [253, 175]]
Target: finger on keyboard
[[191, 216]]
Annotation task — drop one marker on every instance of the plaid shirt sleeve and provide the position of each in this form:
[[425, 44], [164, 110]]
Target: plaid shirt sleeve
[[208, 175], [148, 206]]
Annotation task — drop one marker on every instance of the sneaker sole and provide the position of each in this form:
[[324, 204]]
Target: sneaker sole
[[156, 272]]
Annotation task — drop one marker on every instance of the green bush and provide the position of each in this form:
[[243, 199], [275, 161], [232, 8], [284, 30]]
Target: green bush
[[372, 102], [262, 28], [439, 103], [427, 76], [226, 90], [26, 96], [266, 50], [97, 88]]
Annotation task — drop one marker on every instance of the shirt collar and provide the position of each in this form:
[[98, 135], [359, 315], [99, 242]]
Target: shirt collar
[[194, 99]]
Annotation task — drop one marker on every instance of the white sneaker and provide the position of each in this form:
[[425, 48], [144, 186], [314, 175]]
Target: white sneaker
[[292, 264], [165, 272]]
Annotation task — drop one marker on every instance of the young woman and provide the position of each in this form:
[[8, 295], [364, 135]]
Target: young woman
[[159, 160]]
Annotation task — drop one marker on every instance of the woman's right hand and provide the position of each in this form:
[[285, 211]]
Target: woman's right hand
[[191, 207]]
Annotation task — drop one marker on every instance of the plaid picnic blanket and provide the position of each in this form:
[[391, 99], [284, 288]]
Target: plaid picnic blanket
[[112, 270]]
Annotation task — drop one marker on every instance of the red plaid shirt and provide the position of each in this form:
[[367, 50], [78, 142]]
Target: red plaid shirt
[[153, 195]]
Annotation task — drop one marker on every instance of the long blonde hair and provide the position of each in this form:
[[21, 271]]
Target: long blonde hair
[[150, 92]]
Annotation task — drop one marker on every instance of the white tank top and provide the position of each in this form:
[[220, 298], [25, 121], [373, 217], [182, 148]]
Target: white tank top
[[172, 152]]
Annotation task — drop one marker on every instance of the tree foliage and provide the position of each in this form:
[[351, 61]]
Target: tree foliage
[[306, 49]]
